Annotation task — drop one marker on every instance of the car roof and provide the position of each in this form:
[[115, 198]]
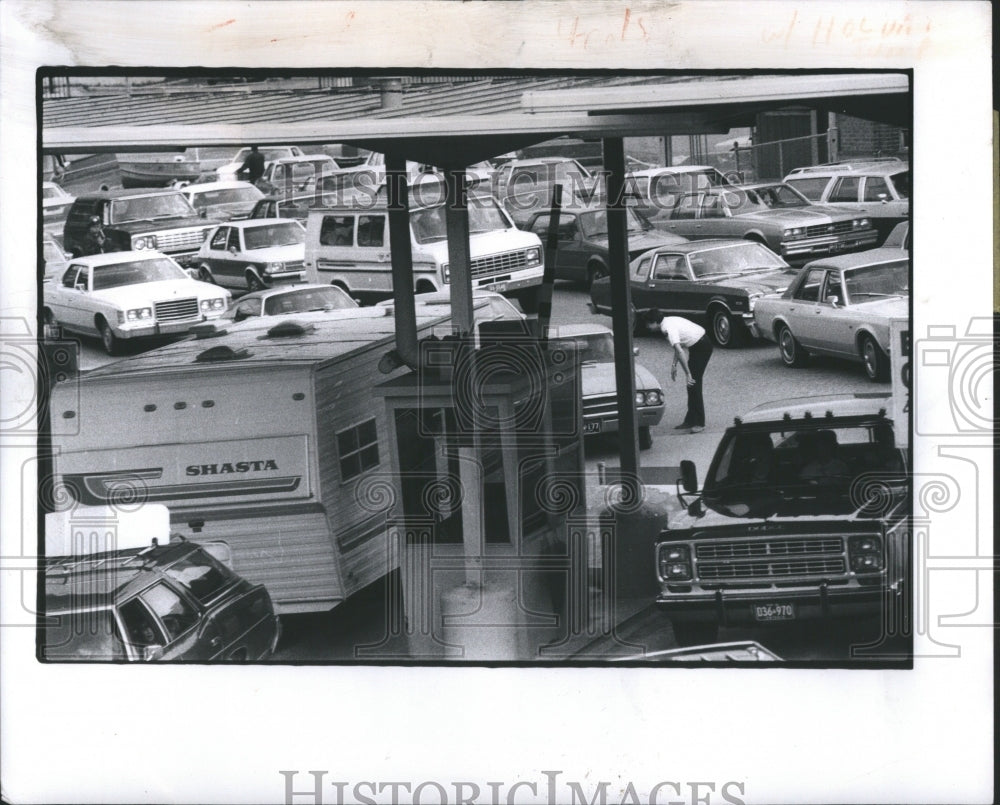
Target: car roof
[[838, 169], [249, 223], [705, 244], [871, 257], [520, 163], [578, 330], [305, 158], [674, 169], [201, 186], [267, 293], [868, 403], [133, 192], [112, 258]]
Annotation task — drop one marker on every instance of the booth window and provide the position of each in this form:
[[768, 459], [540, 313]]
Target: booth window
[[358, 449]]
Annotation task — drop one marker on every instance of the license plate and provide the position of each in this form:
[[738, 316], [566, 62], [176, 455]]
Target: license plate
[[592, 427], [498, 287], [773, 612]]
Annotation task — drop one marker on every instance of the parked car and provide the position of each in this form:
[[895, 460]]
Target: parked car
[[290, 299], [583, 254], [53, 257], [488, 306], [277, 205], [139, 220], [525, 185], [253, 253], [224, 201], [840, 306], [227, 172], [878, 189], [168, 600], [55, 204], [595, 345], [296, 174], [774, 214], [650, 190], [899, 238], [127, 295], [717, 282]]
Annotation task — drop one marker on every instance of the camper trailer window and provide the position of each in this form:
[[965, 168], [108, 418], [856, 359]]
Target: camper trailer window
[[358, 450]]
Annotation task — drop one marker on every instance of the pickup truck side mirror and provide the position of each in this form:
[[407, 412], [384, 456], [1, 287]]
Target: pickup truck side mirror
[[689, 476]]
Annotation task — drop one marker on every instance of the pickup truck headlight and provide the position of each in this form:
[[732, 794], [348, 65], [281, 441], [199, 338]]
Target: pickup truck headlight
[[861, 223], [213, 304], [138, 314], [445, 273], [272, 268], [144, 242], [675, 562], [865, 554], [532, 257]]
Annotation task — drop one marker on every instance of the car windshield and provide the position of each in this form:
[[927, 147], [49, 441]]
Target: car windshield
[[289, 233], [867, 283], [593, 347], [147, 208], [306, 299], [484, 216], [136, 272], [740, 258], [233, 195], [595, 224], [901, 181], [52, 191], [761, 471], [776, 196]]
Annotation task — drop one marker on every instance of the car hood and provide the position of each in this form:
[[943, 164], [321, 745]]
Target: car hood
[[277, 254], [798, 216], [640, 242], [482, 244], [135, 295], [156, 224], [599, 378], [767, 281], [891, 308]]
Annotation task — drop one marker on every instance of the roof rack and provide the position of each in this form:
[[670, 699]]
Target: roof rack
[[846, 164]]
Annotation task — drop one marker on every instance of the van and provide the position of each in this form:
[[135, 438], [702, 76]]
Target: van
[[349, 247]]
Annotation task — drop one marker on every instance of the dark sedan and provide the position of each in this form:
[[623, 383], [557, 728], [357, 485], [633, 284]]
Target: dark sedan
[[716, 282], [583, 241]]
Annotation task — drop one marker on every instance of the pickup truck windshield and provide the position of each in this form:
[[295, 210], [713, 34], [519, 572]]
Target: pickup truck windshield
[[484, 216], [148, 208], [802, 471]]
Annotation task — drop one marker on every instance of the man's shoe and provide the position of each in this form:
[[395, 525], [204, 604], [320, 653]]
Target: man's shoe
[[682, 426], [697, 428]]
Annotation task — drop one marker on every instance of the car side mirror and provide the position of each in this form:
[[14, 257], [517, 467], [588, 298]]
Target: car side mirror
[[203, 213], [151, 653], [689, 476]]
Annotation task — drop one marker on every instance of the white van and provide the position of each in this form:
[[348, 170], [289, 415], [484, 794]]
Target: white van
[[349, 247]]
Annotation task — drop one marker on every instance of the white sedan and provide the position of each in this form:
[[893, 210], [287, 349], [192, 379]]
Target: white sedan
[[127, 295]]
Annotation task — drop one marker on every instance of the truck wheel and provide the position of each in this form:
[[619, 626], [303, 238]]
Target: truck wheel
[[254, 282], [205, 274], [697, 633], [108, 338], [645, 438], [875, 360], [790, 349], [725, 331]]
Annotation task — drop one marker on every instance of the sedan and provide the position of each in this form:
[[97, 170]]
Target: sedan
[[713, 281], [288, 300], [55, 205], [583, 254], [224, 201], [253, 253], [774, 214], [128, 295], [840, 306]]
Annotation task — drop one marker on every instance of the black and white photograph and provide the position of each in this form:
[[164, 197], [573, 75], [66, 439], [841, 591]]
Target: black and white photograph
[[371, 403]]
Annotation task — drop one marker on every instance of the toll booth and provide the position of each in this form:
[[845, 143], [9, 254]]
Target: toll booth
[[487, 452]]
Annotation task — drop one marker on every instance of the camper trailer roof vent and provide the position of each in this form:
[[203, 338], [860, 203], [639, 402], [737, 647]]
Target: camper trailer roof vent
[[290, 329], [222, 353]]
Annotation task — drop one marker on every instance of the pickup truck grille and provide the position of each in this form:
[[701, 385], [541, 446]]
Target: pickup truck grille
[[819, 566], [499, 264], [839, 228], [742, 549], [180, 240], [176, 309]]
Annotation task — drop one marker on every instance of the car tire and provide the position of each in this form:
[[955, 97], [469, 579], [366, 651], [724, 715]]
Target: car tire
[[645, 437], [49, 318], [109, 340], [595, 271], [723, 329], [529, 301], [205, 275], [791, 351], [875, 360], [697, 633], [254, 283]]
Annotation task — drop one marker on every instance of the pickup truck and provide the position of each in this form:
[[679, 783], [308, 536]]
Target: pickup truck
[[803, 515]]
